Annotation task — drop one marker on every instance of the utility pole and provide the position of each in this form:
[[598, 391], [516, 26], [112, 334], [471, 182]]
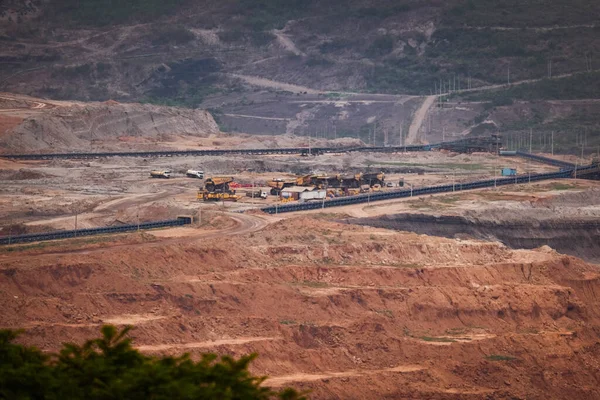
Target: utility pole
[[509, 74], [374, 130], [75, 224], [552, 142], [530, 138], [138, 217], [453, 179]]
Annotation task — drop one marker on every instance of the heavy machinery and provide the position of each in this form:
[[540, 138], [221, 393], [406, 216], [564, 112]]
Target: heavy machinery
[[213, 196], [217, 189], [258, 193], [160, 174], [278, 184], [218, 184], [353, 181], [373, 179], [192, 173], [324, 181]]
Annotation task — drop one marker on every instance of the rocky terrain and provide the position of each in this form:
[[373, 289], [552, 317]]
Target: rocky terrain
[[486, 294], [343, 311], [249, 61], [34, 125]]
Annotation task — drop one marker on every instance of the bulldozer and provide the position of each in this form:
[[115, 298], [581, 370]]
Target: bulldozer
[[217, 189]]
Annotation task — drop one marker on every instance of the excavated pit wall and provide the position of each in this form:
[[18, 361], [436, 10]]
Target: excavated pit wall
[[579, 238]]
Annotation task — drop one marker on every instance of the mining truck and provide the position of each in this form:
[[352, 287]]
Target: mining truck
[[217, 189], [278, 184], [160, 174], [218, 183], [373, 179]]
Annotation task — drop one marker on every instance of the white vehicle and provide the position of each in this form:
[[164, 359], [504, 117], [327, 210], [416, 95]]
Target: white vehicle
[[160, 174], [192, 173], [258, 193]]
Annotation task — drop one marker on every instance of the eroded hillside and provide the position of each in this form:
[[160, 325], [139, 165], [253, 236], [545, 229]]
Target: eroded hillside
[[345, 311]]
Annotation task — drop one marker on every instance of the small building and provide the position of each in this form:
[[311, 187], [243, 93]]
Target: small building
[[509, 171], [294, 192], [303, 193], [320, 194]]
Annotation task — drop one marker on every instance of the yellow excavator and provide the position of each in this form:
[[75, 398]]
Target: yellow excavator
[[217, 189]]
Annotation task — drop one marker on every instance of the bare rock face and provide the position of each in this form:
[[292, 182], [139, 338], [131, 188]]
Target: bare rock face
[[77, 127]]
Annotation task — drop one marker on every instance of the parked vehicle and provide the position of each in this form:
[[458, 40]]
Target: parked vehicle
[[192, 173], [160, 174]]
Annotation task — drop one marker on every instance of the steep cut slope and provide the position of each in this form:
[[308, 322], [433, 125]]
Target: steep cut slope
[[55, 126], [345, 311]]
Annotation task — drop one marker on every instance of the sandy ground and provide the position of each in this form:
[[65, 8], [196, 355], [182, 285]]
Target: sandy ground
[[342, 310]]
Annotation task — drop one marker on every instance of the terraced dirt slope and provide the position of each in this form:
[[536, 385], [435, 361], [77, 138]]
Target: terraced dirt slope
[[28, 124], [345, 311]]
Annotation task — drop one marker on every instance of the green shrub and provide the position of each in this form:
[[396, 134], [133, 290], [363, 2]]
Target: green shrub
[[162, 34], [110, 368], [381, 46], [109, 12]]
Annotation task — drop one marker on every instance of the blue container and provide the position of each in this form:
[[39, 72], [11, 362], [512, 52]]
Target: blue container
[[509, 171]]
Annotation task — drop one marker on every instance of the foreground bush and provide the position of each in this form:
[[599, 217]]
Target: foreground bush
[[110, 368]]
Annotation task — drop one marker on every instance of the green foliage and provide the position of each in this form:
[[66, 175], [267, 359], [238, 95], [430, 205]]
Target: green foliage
[[381, 11], [317, 61], [108, 12], [381, 46], [78, 71], [162, 34], [270, 14], [579, 86], [519, 13], [334, 45], [409, 75], [110, 368]]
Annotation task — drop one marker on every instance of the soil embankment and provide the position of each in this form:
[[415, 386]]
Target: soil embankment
[[92, 126], [579, 238], [343, 310]]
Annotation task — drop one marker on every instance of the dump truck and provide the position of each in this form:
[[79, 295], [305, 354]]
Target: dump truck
[[192, 173], [217, 189], [160, 174], [218, 184], [351, 181], [325, 181], [373, 179], [278, 184]]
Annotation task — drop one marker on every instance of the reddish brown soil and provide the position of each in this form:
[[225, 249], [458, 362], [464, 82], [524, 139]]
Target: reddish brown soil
[[345, 311], [7, 123]]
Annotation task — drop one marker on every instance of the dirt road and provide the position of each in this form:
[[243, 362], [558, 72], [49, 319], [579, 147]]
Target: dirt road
[[415, 125]]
